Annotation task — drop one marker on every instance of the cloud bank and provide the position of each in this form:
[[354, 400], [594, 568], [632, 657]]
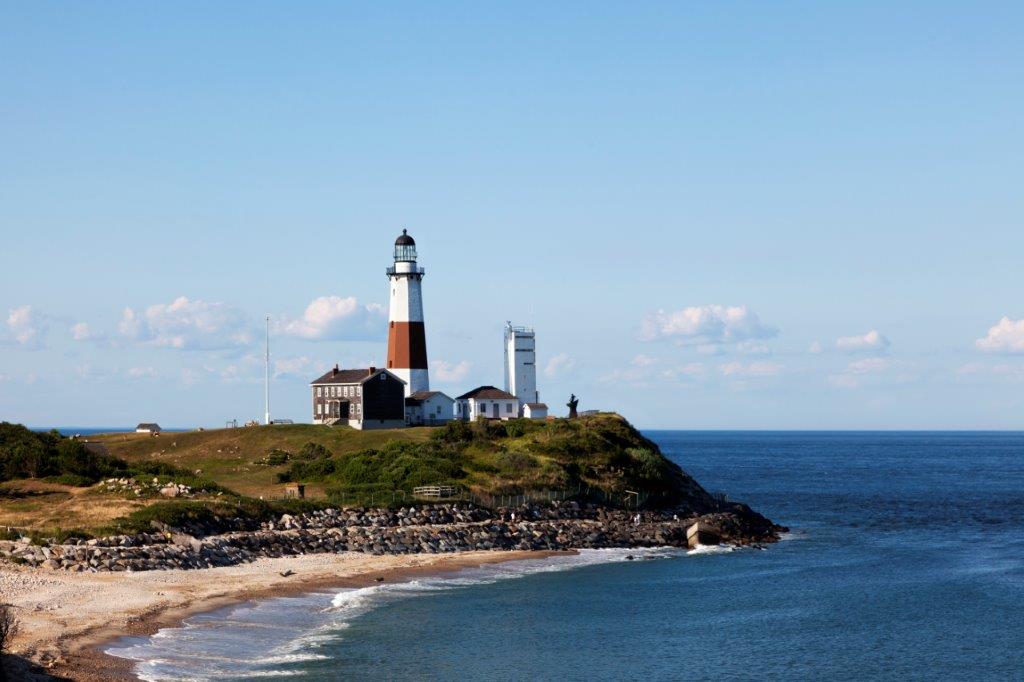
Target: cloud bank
[[706, 325], [188, 325], [333, 318], [27, 327], [1006, 336], [872, 341]]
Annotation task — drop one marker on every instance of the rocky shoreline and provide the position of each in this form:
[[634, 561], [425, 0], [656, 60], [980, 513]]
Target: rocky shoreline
[[431, 528]]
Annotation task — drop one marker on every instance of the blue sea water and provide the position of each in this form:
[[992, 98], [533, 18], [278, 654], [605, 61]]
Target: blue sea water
[[905, 561]]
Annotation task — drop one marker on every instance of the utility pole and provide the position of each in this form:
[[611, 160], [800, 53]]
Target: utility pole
[[266, 377]]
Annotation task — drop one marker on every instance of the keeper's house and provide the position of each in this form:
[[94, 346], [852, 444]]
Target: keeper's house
[[428, 408], [368, 398], [487, 402]]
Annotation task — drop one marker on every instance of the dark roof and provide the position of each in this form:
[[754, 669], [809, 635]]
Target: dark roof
[[486, 392], [148, 425], [421, 396], [405, 240], [349, 376], [544, 405]]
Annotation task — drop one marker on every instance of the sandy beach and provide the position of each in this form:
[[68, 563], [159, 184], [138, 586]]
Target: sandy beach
[[66, 617]]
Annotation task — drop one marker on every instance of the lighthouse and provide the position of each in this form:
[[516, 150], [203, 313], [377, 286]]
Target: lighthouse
[[407, 341]]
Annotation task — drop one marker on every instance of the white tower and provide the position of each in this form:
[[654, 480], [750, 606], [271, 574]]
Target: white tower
[[407, 340], [521, 364]]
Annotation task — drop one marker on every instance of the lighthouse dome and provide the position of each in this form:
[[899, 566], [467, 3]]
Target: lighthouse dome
[[405, 247]]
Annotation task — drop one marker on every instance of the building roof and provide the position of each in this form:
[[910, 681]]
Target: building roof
[[405, 240], [533, 406], [422, 396], [488, 392], [148, 425], [349, 376]]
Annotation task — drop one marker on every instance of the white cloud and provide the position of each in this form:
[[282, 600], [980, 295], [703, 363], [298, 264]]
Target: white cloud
[[1002, 372], [690, 369], [872, 341], [333, 318], [753, 369], [446, 371], [642, 360], [81, 331], [1006, 336], [27, 327], [188, 325], [815, 348], [141, 373], [294, 368], [855, 372], [867, 365], [559, 364], [89, 372], [706, 325]]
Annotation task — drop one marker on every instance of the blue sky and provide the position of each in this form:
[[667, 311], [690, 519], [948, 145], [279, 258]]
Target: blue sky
[[718, 215]]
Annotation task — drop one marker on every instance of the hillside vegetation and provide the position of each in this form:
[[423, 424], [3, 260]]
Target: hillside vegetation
[[242, 471]]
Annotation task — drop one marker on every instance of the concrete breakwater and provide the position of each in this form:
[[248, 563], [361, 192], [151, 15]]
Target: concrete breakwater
[[432, 528]]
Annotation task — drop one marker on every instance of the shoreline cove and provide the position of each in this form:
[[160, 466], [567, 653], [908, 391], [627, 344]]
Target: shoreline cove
[[58, 643]]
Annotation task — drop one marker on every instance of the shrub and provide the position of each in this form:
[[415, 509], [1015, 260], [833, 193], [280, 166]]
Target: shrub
[[453, 432], [515, 463], [648, 466], [27, 454], [312, 450], [277, 457]]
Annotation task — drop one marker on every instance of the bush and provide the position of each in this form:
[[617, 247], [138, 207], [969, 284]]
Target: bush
[[454, 432], [277, 457], [27, 454], [515, 463], [172, 513], [312, 451]]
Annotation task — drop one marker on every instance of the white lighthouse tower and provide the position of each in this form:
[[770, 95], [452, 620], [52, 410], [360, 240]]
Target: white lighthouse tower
[[407, 341], [521, 364]]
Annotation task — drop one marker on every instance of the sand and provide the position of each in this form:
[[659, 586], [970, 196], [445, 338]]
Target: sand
[[64, 618]]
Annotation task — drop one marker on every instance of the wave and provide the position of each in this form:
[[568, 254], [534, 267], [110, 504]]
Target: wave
[[287, 631]]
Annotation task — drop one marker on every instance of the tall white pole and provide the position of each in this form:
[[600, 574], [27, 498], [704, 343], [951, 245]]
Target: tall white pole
[[266, 377]]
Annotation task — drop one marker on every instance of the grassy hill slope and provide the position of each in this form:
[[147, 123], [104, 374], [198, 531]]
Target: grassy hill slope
[[601, 458]]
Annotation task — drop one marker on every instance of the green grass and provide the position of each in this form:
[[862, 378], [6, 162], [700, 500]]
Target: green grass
[[240, 472]]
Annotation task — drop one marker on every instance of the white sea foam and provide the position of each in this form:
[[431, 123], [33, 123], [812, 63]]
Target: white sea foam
[[710, 549], [290, 629]]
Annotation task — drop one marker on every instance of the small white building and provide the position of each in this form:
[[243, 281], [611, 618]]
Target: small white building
[[535, 410], [147, 427], [427, 408], [487, 402]]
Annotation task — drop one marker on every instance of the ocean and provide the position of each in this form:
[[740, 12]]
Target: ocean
[[905, 560]]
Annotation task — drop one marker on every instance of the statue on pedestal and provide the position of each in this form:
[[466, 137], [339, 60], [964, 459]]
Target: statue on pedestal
[[573, 402]]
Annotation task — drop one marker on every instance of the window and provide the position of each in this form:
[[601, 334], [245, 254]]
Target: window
[[383, 377], [319, 391], [319, 408], [508, 407]]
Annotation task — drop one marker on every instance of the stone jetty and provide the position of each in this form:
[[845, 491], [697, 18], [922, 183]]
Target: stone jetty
[[430, 528]]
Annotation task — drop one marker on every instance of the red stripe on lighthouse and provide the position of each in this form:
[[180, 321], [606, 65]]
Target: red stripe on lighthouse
[[407, 345]]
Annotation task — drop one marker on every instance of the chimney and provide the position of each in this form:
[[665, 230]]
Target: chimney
[[372, 370], [334, 372]]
